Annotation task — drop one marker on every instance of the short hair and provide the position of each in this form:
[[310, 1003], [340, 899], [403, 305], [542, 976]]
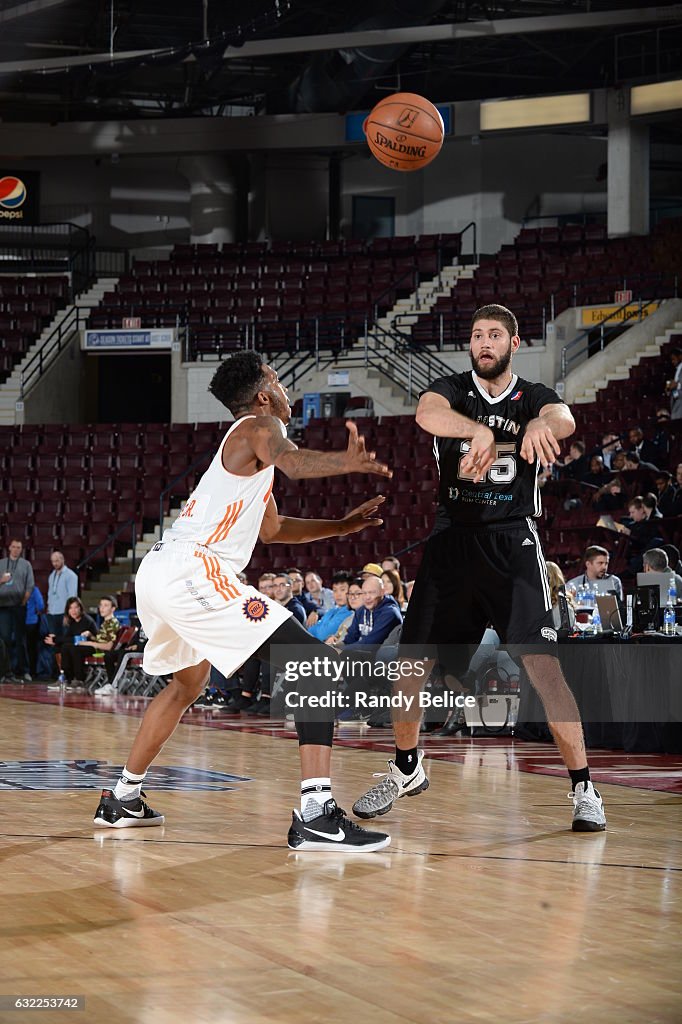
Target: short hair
[[237, 381], [15, 540], [656, 559], [392, 558], [636, 502], [112, 600], [633, 457], [493, 311], [282, 576], [663, 474], [292, 569], [596, 551], [650, 501], [342, 577], [673, 553], [266, 576], [580, 445]]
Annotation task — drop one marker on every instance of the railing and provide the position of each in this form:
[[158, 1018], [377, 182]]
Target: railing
[[52, 247], [110, 539], [471, 226], [171, 486], [55, 342]]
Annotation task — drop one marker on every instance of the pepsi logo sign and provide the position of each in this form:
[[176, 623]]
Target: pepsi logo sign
[[12, 192]]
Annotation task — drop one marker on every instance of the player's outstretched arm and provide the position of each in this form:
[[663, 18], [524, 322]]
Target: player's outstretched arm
[[288, 530], [302, 464], [436, 416], [542, 435]]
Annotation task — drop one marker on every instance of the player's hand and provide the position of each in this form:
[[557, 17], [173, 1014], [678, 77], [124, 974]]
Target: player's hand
[[362, 516], [481, 454], [359, 459], [539, 442]]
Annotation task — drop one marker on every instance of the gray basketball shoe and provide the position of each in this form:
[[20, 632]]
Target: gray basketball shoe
[[394, 785], [588, 809]]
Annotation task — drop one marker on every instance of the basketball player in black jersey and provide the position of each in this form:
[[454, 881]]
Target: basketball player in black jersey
[[493, 431]]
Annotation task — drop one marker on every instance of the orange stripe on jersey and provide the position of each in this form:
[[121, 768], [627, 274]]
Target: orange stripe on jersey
[[227, 590], [267, 496], [227, 522]]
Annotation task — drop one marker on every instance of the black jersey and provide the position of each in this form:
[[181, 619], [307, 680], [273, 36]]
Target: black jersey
[[510, 490]]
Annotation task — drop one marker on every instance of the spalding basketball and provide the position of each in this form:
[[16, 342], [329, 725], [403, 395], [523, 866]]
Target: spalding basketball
[[404, 131]]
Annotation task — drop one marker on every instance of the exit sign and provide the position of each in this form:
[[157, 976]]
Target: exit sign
[[133, 323], [622, 297]]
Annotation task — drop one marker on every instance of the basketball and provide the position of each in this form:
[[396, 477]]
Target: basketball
[[404, 131]]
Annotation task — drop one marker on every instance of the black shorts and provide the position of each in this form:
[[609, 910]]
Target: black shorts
[[469, 578]]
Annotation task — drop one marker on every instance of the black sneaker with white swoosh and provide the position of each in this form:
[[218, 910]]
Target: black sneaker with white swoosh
[[114, 813], [332, 831]]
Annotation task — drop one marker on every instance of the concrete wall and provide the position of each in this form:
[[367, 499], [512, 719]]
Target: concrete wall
[[60, 394]]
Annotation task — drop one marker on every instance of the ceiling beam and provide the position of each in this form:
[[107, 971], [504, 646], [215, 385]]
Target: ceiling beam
[[28, 8], [383, 37]]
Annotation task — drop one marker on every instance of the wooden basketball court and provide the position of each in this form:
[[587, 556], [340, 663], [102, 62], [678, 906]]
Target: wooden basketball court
[[485, 908]]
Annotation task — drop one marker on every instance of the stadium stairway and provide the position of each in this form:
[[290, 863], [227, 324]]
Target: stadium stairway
[[10, 391]]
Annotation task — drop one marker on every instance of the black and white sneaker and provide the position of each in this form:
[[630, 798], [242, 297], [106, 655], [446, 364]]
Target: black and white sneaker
[[394, 785], [135, 813], [333, 831], [588, 809]]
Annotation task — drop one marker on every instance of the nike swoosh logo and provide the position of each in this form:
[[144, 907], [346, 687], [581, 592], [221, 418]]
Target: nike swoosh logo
[[338, 838], [134, 814]]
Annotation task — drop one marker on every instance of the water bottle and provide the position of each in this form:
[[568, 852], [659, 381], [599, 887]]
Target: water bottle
[[669, 618], [672, 592], [61, 679], [595, 621]]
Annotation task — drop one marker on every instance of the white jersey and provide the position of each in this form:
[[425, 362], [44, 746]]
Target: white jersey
[[225, 511]]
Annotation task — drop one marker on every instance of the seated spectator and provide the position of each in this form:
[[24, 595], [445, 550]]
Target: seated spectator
[[282, 592], [576, 463], [633, 461], [618, 462], [391, 562], [662, 436], [393, 586], [667, 493], [610, 444], [596, 574], [265, 583], [557, 593], [371, 569], [644, 533], [656, 560], [597, 475], [75, 622], [321, 596], [336, 616], [309, 607], [673, 554], [610, 497], [354, 602], [651, 502], [93, 642], [114, 657], [376, 618], [647, 450]]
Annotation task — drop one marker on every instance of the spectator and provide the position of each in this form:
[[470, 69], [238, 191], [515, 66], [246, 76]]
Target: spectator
[[643, 532], [647, 450], [674, 386], [648, 472], [651, 503], [391, 562], [16, 586], [62, 583], [74, 655], [35, 606], [662, 436], [354, 602], [610, 444], [265, 583], [596, 573], [282, 592], [597, 475], [322, 597], [371, 569], [376, 618], [393, 586], [656, 560], [74, 622], [667, 493], [611, 497], [576, 463], [618, 462], [296, 577], [557, 590], [336, 616], [673, 554]]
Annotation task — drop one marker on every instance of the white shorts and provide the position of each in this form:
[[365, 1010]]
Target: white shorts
[[193, 608]]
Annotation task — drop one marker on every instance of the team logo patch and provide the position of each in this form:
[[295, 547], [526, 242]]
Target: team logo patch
[[407, 117], [549, 634], [255, 609], [515, 397], [12, 192]]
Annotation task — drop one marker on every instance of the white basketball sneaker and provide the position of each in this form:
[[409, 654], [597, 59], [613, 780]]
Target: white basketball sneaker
[[588, 809], [394, 785]]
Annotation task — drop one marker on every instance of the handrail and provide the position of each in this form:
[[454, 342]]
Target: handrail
[[472, 225], [112, 536], [582, 339], [57, 339], [413, 272], [193, 465]]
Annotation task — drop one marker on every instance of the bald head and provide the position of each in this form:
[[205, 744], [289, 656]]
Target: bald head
[[372, 591]]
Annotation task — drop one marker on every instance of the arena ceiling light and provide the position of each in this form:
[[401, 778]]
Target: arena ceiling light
[[651, 99], [537, 112]]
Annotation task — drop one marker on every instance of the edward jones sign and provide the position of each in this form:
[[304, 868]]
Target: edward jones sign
[[19, 197]]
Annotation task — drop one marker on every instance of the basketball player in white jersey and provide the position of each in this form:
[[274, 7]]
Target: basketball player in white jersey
[[196, 612]]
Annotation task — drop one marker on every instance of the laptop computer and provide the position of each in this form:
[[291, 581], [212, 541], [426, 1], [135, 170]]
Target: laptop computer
[[609, 613], [653, 579]]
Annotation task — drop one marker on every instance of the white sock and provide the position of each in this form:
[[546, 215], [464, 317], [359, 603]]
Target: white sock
[[129, 785], [314, 795]]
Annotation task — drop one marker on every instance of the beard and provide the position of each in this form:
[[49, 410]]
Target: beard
[[494, 369]]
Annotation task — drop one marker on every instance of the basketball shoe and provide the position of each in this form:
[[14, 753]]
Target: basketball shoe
[[332, 831], [588, 809], [114, 813], [394, 785]]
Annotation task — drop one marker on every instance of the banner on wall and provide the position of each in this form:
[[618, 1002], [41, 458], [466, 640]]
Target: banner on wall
[[19, 196], [593, 316], [128, 341]]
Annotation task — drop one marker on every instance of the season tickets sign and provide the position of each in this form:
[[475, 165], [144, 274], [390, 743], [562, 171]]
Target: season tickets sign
[[19, 197], [127, 340]]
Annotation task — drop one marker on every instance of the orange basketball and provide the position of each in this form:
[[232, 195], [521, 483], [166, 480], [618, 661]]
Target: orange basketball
[[404, 131]]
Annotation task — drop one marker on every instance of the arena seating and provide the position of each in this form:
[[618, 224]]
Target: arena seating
[[27, 305], [575, 264], [284, 296]]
